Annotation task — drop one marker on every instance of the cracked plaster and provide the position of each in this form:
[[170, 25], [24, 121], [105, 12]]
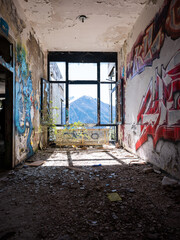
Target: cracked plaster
[[57, 25]]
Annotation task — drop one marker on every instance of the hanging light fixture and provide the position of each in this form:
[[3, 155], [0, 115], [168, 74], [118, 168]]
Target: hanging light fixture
[[82, 18]]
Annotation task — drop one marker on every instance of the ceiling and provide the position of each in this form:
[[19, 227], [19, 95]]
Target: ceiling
[[58, 27]]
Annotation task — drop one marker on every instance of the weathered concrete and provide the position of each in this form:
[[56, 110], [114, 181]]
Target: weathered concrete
[[150, 66], [59, 28], [29, 68], [67, 198]]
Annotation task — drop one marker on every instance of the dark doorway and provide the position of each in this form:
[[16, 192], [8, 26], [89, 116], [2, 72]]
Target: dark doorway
[[6, 104]]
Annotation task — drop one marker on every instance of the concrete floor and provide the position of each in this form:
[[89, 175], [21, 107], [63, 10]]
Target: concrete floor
[[106, 157], [67, 198]]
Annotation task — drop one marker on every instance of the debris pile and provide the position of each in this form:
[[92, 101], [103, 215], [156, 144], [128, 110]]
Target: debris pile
[[77, 194]]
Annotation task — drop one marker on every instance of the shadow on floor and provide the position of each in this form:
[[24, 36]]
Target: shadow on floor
[[67, 198]]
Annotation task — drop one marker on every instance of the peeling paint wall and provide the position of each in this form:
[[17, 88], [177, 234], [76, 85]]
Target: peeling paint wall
[[152, 86], [29, 68], [60, 29]]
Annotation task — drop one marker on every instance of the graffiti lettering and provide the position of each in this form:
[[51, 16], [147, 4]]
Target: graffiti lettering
[[77, 135], [159, 114], [4, 26], [173, 19], [24, 94], [149, 44], [94, 135], [146, 52]]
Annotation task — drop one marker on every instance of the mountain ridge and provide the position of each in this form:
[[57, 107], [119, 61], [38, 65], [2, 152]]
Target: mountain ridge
[[84, 109]]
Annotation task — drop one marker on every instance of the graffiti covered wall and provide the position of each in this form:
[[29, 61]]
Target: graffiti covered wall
[[24, 95], [28, 71], [152, 112], [27, 106], [159, 113]]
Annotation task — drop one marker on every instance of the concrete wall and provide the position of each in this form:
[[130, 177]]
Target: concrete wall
[[150, 68], [29, 68]]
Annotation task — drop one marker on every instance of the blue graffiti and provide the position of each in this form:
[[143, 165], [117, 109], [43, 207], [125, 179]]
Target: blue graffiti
[[36, 104], [45, 95], [24, 91], [4, 26]]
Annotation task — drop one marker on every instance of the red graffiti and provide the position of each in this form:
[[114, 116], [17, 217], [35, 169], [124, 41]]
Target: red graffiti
[[144, 53], [173, 19], [149, 44], [159, 113]]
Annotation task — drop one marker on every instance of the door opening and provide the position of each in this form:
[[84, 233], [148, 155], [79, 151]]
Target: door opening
[[6, 103], [6, 117]]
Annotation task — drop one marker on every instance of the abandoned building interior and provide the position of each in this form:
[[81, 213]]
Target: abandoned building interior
[[90, 119]]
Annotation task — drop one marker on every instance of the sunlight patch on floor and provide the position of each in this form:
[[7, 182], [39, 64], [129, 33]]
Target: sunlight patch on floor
[[90, 158]]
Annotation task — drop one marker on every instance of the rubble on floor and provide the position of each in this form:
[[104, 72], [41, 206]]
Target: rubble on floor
[[67, 198]]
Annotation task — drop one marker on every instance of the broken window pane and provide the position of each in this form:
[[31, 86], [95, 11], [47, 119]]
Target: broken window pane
[[107, 72], [57, 71]]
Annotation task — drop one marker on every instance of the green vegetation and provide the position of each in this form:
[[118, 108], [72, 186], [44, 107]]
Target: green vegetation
[[49, 119]]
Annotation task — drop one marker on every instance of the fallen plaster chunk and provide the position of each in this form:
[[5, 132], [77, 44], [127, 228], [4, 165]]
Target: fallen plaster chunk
[[157, 171], [114, 197], [35, 164], [169, 181], [105, 146], [135, 162], [148, 170]]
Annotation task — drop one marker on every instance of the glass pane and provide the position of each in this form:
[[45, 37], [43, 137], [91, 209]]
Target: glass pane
[[57, 103], [107, 72], [107, 104], [83, 103], [45, 100], [57, 71], [113, 105], [82, 71]]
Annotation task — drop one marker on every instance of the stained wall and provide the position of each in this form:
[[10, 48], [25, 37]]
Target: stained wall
[[28, 71], [150, 70]]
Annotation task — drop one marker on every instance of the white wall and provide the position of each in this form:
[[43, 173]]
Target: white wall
[[152, 86]]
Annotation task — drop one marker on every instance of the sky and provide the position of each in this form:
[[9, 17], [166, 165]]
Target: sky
[[86, 71]]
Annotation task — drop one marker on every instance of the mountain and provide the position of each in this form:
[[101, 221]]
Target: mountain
[[84, 109]]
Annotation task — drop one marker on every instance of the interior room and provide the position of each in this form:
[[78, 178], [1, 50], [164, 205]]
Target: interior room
[[90, 119]]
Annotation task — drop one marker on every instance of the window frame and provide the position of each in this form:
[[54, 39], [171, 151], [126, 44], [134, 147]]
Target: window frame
[[85, 57]]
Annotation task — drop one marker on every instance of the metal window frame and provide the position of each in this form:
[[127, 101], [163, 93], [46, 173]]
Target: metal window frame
[[84, 57]]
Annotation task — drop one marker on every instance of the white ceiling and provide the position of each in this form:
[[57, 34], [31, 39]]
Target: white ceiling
[[58, 28]]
